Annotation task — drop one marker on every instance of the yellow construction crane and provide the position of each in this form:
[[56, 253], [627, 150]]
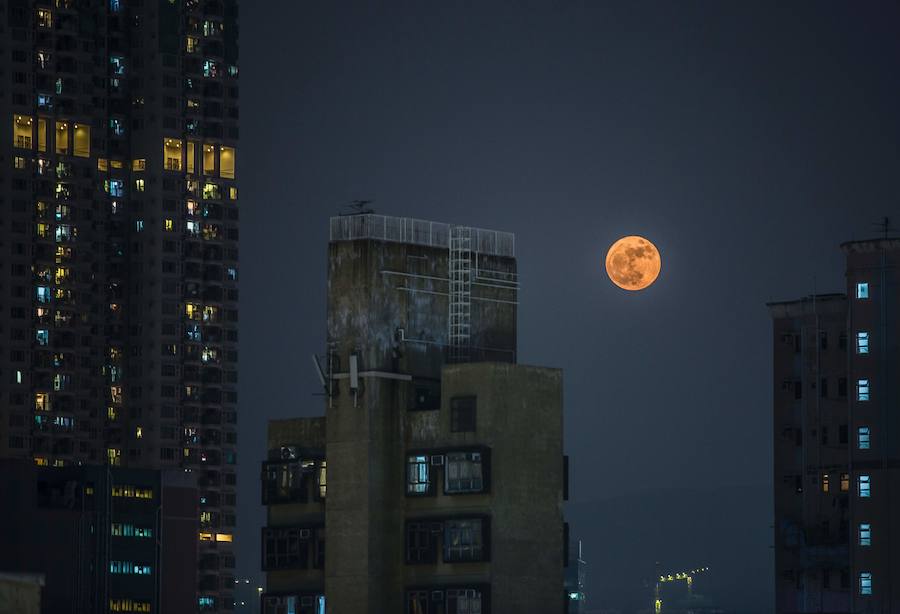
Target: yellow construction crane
[[686, 576]]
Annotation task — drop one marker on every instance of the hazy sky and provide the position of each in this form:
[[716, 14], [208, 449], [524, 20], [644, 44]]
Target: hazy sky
[[746, 140]]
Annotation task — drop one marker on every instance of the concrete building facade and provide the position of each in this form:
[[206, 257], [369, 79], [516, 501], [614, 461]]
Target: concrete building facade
[[836, 441], [118, 244], [434, 482]]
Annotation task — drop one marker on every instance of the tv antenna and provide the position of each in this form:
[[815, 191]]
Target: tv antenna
[[360, 207], [885, 226]]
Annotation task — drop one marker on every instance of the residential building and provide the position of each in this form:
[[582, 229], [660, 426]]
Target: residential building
[[118, 285], [435, 480], [21, 593], [574, 577], [837, 467], [104, 539]]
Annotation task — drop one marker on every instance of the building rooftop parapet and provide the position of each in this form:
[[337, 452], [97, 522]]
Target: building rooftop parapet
[[417, 232], [814, 303], [871, 245]]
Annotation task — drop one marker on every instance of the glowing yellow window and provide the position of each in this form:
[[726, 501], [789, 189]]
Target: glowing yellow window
[[19, 163], [114, 455], [59, 463], [226, 162], [139, 432], [192, 311], [209, 160], [224, 537], [172, 154], [40, 461], [62, 138], [232, 193], [44, 230], [191, 44], [102, 164], [82, 147], [115, 163], [825, 482], [44, 18], [42, 134], [22, 131], [170, 225], [191, 156], [139, 165], [138, 185], [111, 413], [206, 537], [41, 401]]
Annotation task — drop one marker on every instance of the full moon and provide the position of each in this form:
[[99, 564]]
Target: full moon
[[633, 263]]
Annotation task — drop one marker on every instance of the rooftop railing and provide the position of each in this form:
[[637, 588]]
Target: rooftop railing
[[417, 232]]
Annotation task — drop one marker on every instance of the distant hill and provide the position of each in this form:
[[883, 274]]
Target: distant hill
[[725, 529]]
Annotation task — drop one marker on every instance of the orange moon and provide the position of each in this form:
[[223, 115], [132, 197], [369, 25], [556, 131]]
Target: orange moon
[[633, 263]]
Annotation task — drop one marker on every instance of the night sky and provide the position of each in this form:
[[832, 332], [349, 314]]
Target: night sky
[[746, 141]]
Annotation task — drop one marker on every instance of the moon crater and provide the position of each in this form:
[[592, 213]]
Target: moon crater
[[633, 263]]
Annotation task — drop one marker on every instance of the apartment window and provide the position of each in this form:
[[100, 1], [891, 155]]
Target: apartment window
[[842, 387], [293, 604], [441, 600], [862, 390], [865, 583], [422, 541], [464, 540], [226, 162], [172, 154], [862, 290], [864, 484], [463, 601], [823, 388], [462, 414], [862, 342], [139, 164], [863, 438], [44, 18], [209, 160], [845, 482], [127, 567], [62, 138], [286, 548], [82, 141], [865, 534], [22, 131], [191, 156], [418, 475], [825, 482], [463, 472], [42, 336]]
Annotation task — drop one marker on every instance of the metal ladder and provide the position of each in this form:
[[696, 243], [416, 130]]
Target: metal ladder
[[460, 292]]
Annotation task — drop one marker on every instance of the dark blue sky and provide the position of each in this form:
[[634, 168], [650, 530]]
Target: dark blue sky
[[745, 140]]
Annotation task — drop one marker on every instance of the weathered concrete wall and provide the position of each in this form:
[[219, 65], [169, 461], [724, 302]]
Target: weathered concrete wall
[[20, 594]]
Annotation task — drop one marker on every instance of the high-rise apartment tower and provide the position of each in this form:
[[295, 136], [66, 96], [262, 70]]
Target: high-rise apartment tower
[[837, 440], [118, 246]]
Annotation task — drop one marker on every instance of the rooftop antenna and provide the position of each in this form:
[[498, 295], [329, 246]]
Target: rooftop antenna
[[359, 207], [885, 226]]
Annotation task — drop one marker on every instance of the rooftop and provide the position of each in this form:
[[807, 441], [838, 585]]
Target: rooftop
[[871, 245], [418, 232]]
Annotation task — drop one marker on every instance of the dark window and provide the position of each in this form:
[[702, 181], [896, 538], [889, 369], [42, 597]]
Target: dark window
[[463, 601], [824, 435], [418, 475], [842, 387], [288, 548], [463, 472], [464, 540], [462, 415], [842, 341], [286, 482], [422, 541], [823, 339], [823, 388], [442, 600], [843, 434]]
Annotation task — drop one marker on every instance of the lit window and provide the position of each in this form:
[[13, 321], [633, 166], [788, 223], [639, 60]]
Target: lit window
[[862, 390], [22, 131], [232, 193], [117, 126], [82, 146], [45, 102], [139, 432], [172, 154], [323, 478], [191, 44], [865, 583], [102, 164], [863, 438], [825, 482], [42, 134], [115, 163], [864, 484], [139, 165], [210, 68], [862, 290], [191, 156], [114, 456], [18, 163], [139, 225], [169, 225], [209, 159], [139, 185], [845, 482], [42, 336], [226, 162], [40, 461], [44, 18], [418, 477], [41, 401], [865, 534], [117, 64], [62, 138], [862, 342], [224, 537], [206, 537]]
